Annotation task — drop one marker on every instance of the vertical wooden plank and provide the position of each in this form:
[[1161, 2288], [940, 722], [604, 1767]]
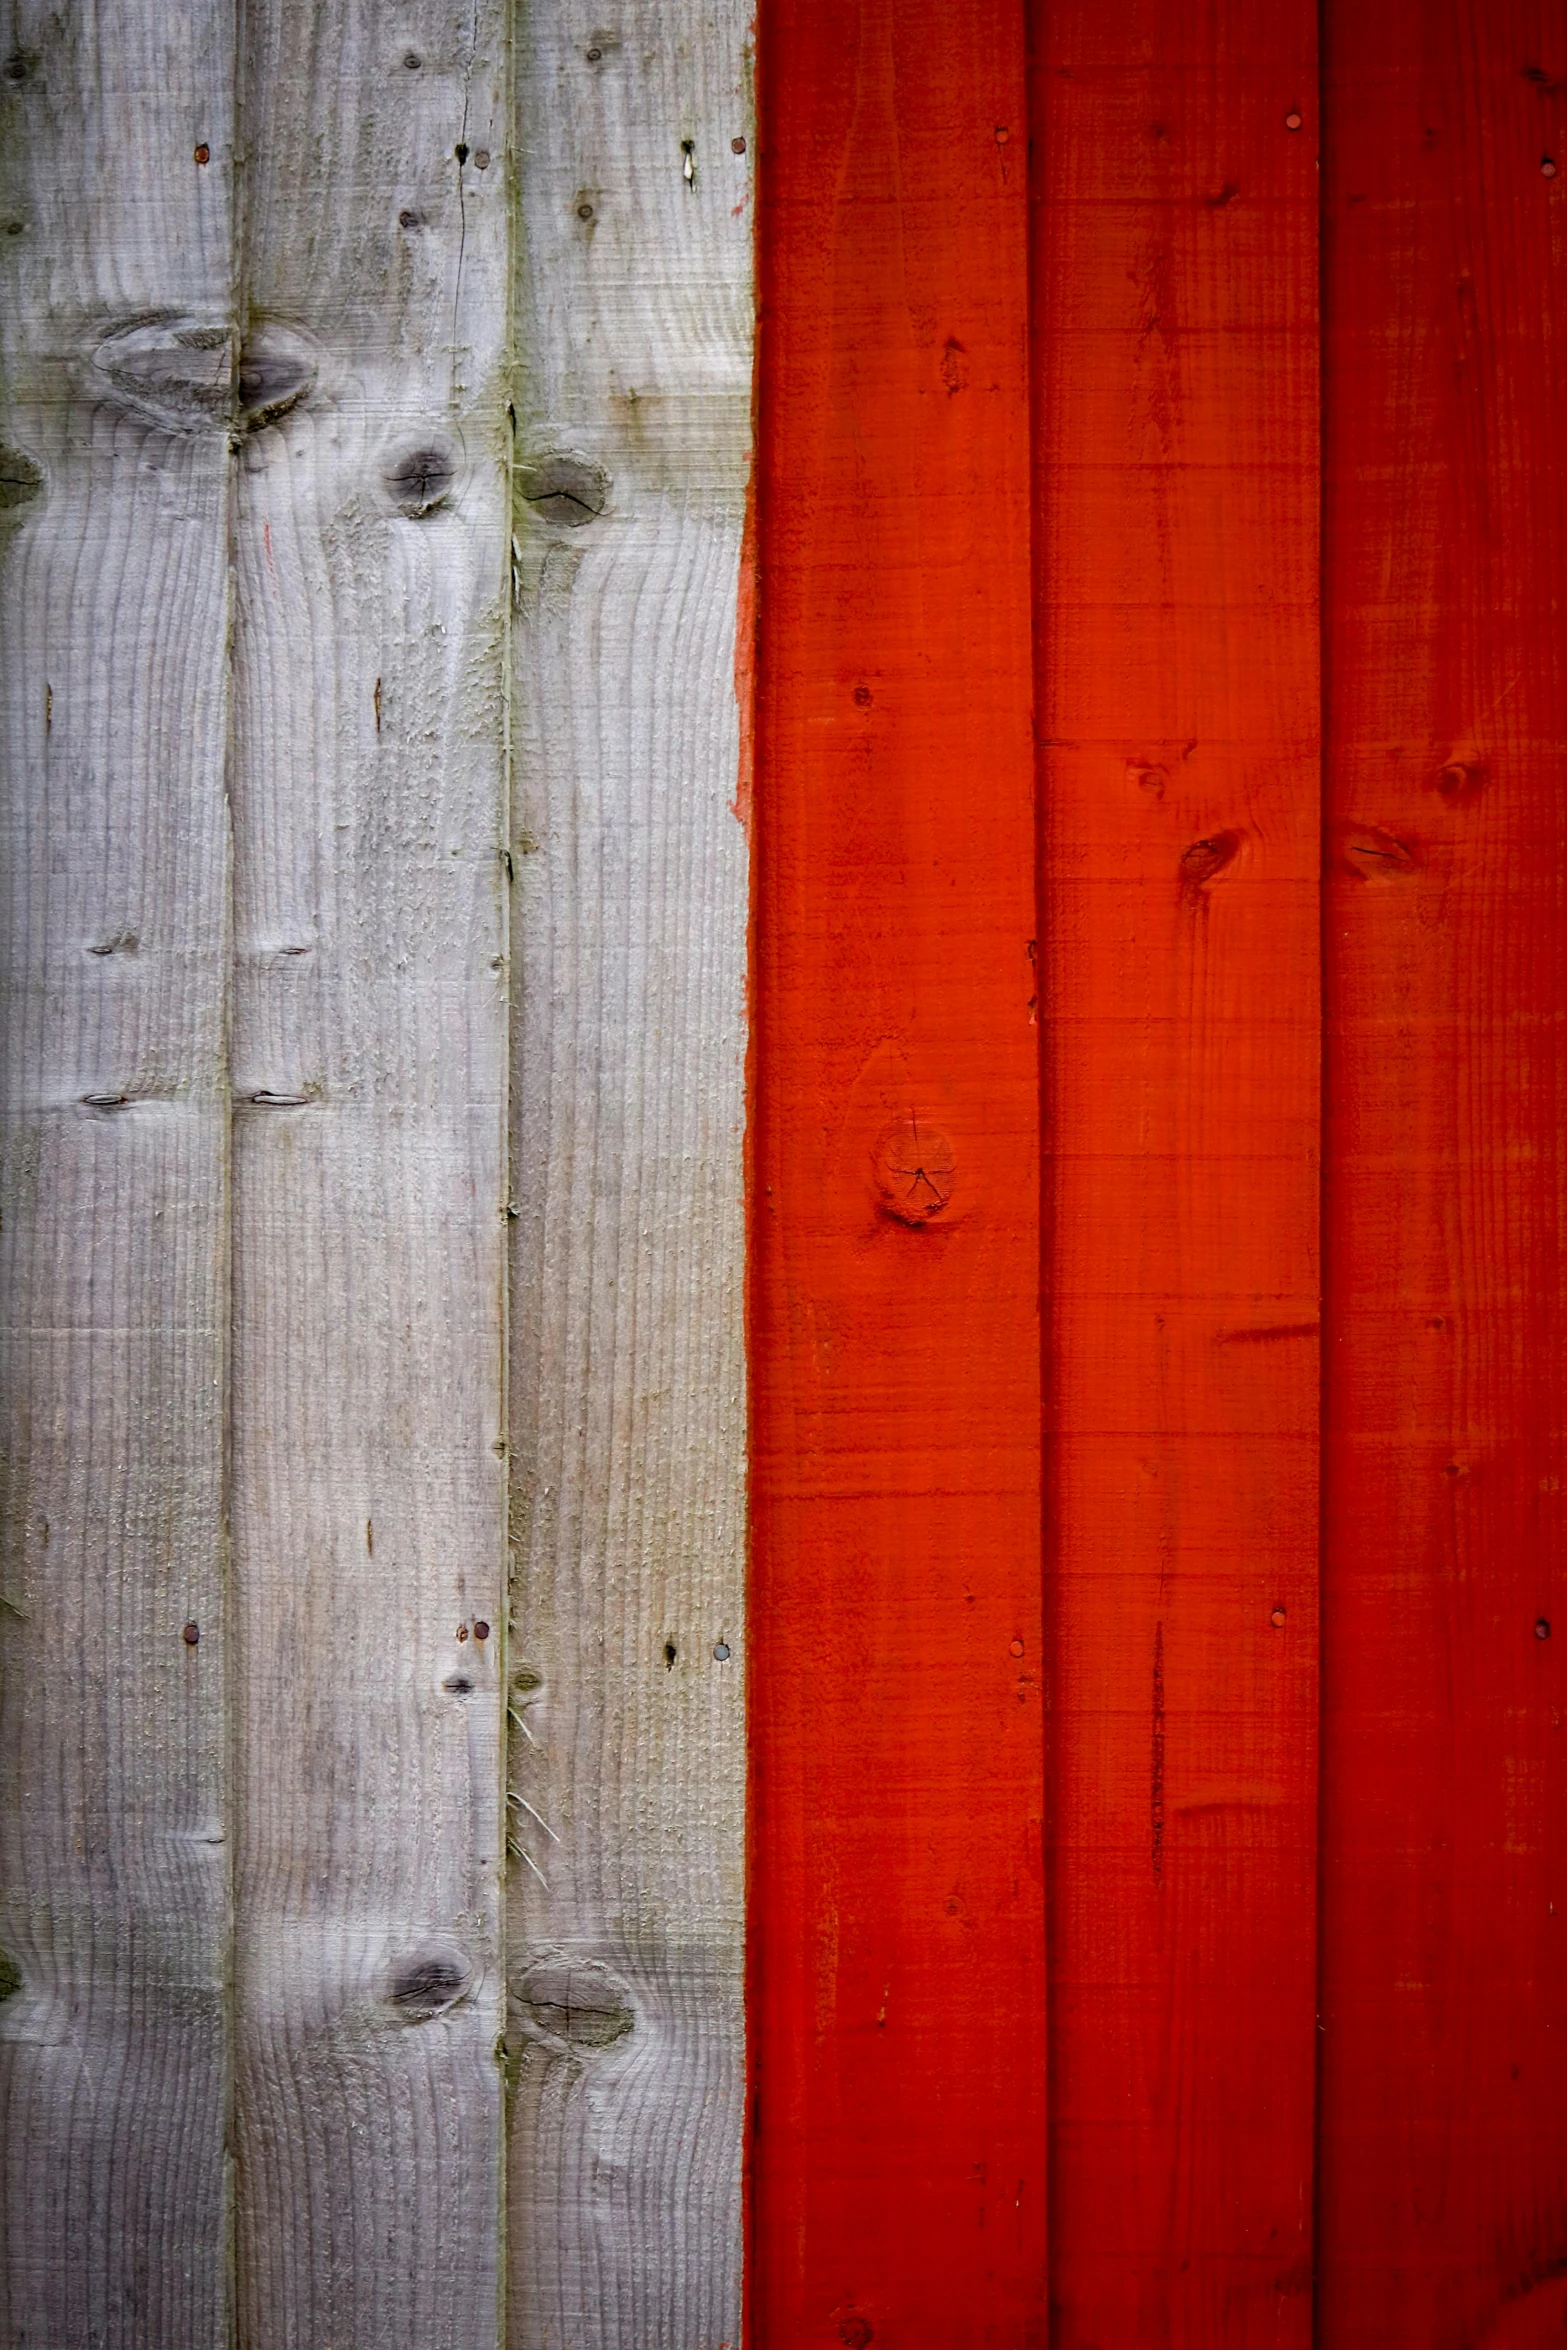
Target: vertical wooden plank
[[897, 1906], [1175, 347], [369, 1049], [115, 256], [626, 2026], [1445, 1608]]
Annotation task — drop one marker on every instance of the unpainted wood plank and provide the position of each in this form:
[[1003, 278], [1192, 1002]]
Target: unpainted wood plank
[[1175, 350], [634, 327], [370, 1020], [115, 238], [898, 1718], [1444, 1995]]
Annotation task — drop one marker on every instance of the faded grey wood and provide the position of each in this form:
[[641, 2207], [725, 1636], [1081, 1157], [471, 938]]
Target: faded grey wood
[[369, 1042], [626, 2021], [115, 314]]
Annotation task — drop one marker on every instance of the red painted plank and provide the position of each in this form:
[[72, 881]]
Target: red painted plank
[[1444, 2105], [898, 2000], [1176, 358]]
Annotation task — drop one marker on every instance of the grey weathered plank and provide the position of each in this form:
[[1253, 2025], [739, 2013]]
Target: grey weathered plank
[[634, 331], [115, 242], [369, 1176]]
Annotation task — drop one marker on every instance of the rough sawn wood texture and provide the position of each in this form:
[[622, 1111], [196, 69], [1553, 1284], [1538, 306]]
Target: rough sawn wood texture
[[1444, 1978], [115, 261], [634, 314], [897, 1926], [369, 1071], [1175, 346]]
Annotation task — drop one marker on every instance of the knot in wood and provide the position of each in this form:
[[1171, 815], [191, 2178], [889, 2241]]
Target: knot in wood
[[275, 371], [915, 1168], [421, 481], [428, 1983], [1377, 855], [20, 479], [176, 371], [583, 2005], [563, 488], [1461, 780], [1206, 859]]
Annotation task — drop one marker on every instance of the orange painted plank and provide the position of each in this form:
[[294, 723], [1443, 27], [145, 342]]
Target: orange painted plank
[[1444, 2101], [1176, 366], [898, 1997]]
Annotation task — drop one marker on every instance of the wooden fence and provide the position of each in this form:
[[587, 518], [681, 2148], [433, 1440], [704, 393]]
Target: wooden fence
[[784, 931]]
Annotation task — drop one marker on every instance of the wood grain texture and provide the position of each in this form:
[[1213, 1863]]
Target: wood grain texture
[[1445, 1784], [634, 330], [1175, 351], [898, 1993], [369, 1068], [114, 605]]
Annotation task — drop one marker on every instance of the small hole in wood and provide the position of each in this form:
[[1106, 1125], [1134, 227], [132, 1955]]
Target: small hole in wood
[[670, 1653], [458, 1683], [461, 150]]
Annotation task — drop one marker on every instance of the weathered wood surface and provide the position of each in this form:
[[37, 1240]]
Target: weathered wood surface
[[634, 316], [1174, 332], [1444, 1992], [897, 1908], [115, 244], [369, 1069]]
